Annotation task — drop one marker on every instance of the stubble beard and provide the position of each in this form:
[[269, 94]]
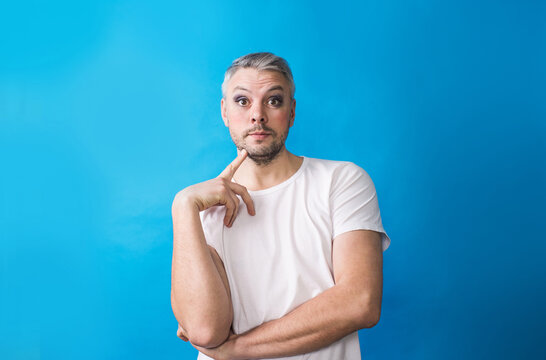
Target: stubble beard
[[260, 154]]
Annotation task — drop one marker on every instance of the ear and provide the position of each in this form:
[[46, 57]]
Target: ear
[[223, 111], [292, 112]]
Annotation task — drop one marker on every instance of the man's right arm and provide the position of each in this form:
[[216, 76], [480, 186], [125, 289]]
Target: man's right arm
[[200, 295], [200, 300]]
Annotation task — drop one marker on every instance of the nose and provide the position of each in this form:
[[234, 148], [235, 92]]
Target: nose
[[258, 114]]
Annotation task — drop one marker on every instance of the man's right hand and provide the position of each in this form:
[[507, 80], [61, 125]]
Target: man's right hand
[[219, 191]]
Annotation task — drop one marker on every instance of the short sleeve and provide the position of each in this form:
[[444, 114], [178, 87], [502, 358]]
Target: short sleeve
[[213, 228], [353, 202]]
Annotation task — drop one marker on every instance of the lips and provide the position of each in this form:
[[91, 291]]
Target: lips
[[259, 135]]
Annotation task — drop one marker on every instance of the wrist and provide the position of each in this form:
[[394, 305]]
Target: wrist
[[185, 202], [240, 350]]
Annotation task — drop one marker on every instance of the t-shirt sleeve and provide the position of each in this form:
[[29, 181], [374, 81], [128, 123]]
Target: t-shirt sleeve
[[213, 229], [354, 204]]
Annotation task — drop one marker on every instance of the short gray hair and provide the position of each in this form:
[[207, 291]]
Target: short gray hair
[[260, 61]]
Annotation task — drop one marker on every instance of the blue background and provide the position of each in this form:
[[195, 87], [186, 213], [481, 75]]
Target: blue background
[[109, 108]]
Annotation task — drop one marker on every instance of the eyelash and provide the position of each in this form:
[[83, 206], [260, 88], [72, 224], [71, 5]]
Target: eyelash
[[277, 98]]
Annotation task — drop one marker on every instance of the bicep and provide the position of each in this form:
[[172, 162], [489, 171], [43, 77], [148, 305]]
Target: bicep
[[182, 333], [357, 259], [222, 271]]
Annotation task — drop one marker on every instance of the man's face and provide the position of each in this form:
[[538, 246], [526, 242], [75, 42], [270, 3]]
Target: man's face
[[259, 112]]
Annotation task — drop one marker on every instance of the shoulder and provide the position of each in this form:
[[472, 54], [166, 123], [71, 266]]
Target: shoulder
[[339, 178], [335, 169]]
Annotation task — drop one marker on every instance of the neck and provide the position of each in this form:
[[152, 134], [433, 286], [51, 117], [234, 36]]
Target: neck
[[259, 177]]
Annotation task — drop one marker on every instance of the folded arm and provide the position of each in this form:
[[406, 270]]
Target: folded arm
[[200, 296], [353, 303]]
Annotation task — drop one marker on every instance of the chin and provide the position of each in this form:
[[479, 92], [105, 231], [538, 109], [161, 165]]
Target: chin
[[253, 151]]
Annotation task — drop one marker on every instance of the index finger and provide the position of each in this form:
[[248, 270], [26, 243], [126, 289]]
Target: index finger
[[231, 168]]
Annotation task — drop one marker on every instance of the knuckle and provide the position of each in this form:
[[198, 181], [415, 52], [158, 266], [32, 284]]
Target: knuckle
[[223, 185], [221, 188]]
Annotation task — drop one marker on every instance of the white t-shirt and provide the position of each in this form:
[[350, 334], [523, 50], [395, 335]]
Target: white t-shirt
[[282, 256]]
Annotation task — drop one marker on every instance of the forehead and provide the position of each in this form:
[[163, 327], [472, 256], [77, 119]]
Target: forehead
[[257, 81]]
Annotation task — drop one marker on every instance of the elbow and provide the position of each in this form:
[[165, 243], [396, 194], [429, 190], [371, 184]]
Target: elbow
[[205, 331], [370, 319], [205, 335], [207, 338], [369, 313], [200, 333]]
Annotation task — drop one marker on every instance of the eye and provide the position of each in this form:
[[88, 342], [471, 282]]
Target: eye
[[242, 101], [275, 101]]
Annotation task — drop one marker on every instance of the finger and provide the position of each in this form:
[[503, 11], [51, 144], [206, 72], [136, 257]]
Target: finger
[[243, 192], [236, 208], [230, 170], [237, 204], [230, 208]]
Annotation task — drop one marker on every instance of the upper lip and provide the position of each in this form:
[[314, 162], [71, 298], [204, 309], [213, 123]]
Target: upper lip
[[259, 133]]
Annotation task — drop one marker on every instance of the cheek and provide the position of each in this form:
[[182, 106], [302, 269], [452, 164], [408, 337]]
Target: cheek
[[234, 109], [281, 116], [237, 117], [237, 126]]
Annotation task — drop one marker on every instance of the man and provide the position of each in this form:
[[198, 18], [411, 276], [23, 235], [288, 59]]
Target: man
[[280, 255]]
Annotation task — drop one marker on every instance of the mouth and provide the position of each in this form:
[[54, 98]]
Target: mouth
[[259, 135]]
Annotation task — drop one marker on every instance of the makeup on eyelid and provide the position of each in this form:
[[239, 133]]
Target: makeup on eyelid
[[277, 98]]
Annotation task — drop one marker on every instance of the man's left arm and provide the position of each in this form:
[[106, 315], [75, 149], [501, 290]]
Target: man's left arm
[[353, 303]]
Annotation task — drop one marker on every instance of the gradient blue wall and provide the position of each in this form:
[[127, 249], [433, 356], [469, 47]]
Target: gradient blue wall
[[107, 109]]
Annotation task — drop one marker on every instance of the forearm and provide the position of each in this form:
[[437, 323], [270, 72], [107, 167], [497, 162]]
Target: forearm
[[199, 296], [313, 325]]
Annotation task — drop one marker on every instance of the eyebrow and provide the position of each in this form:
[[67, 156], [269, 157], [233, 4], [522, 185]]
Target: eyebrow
[[276, 87]]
